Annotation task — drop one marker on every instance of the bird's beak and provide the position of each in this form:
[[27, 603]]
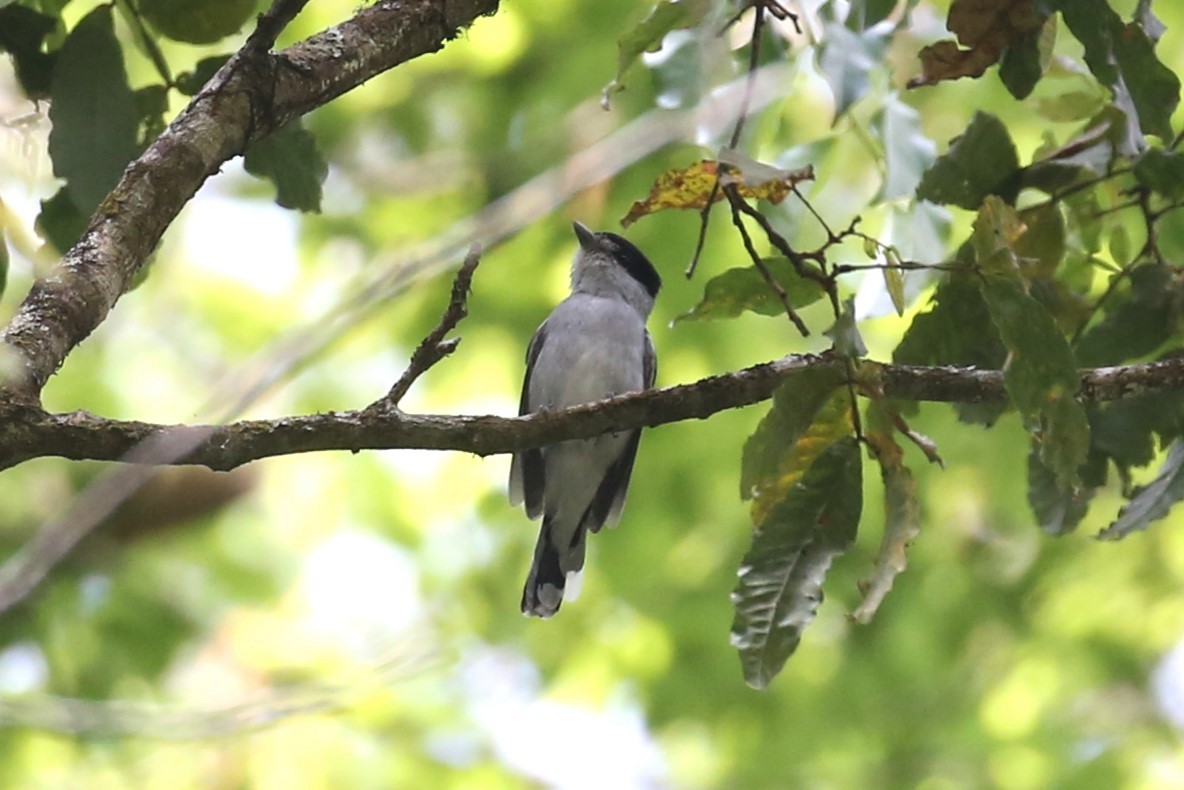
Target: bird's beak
[[587, 237]]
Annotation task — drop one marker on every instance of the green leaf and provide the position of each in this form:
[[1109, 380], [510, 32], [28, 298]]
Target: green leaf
[[1120, 245], [981, 161], [1070, 106], [60, 222], [1120, 432], [902, 523], [920, 232], [94, 113], [191, 82], [290, 159], [22, 33], [1088, 155], [1153, 501], [781, 576], [1122, 56], [1041, 372], [1023, 62], [1149, 21], [1054, 277], [797, 403], [197, 21], [956, 331], [666, 15], [1137, 321], [845, 61], [1043, 243], [907, 151], [152, 101], [1162, 172], [678, 79], [866, 13], [845, 333], [1058, 509], [1153, 87], [1125, 431], [894, 283], [1064, 437], [744, 288]]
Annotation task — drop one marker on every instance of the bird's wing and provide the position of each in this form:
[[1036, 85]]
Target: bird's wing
[[650, 361], [609, 501], [526, 470]]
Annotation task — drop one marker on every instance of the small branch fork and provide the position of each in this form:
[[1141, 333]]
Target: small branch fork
[[271, 23]]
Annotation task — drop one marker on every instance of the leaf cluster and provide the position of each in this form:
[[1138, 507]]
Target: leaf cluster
[[1045, 282], [100, 123]]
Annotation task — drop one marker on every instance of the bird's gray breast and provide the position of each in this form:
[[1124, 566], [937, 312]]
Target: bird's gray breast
[[595, 348]]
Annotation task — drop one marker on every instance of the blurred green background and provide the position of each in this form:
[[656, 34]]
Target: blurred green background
[[340, 620]]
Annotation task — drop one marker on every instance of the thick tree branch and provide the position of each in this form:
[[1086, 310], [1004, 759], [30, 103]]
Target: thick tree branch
[[255, 93], [27, 432]]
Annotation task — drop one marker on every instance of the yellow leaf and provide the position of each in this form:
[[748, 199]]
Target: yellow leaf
[[894, 280], [691, 187]]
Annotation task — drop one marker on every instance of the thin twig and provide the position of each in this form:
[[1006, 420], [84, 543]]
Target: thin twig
[[147, 40], [1083, 185], [434, 347], [831, 237], [849, 363], [797, 259], [734, 199], [923, 443], [271, 23], [704, 219], [904, 266], [754, 57], [753, 65], [772, 6], [1150, 249]]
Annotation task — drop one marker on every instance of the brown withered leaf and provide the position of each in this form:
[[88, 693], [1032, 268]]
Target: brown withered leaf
[[985, 28], [691, 187]]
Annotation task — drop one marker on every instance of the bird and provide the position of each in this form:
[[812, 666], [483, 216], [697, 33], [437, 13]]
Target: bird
[[592, 346]]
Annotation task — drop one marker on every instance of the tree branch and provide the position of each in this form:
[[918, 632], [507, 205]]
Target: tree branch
[[271, 23], [255, 93], [27, 432], [434, 347]]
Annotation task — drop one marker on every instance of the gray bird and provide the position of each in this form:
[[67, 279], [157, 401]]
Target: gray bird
[[593, 345]]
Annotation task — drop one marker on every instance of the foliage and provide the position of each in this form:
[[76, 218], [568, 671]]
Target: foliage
[[1007, 199]]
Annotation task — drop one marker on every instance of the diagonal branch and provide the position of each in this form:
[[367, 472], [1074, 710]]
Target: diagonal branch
[[271, 23], [434, 347], [255, 93]]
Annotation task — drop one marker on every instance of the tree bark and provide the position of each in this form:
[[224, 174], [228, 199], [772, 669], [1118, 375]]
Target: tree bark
[[31, 433], [254, 94]]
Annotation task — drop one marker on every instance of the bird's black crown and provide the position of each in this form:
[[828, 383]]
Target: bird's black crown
[[633, 261]]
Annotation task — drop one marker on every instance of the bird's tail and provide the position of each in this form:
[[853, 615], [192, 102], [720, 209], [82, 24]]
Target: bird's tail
[[554, 566]]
